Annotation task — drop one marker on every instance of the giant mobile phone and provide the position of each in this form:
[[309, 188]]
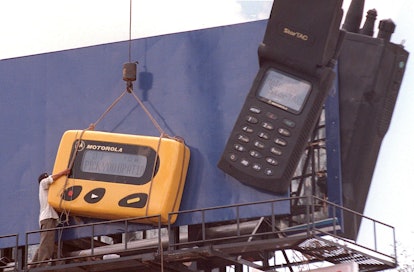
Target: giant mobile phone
[[297, 59]]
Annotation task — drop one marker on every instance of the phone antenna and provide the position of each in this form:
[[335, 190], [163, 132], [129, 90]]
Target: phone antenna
[[386, 28], [368, 28]]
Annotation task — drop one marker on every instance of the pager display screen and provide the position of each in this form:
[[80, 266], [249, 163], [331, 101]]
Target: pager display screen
[[114, 162], [110, 163]]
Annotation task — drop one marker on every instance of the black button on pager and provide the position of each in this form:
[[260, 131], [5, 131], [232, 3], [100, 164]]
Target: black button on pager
[[138, 200], [95, 195], [71, 193]]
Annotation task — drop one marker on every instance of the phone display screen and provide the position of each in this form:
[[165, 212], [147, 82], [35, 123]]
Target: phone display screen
[[283, 91]]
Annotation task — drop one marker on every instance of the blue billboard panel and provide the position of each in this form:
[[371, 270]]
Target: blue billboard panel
[[193, 83]]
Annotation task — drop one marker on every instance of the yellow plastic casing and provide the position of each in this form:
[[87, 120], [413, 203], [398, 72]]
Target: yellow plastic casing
[[159, 195]]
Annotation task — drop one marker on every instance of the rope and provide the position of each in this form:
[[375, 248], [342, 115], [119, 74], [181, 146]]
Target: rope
[[182, 170], [153, 172], [148, 113], [78, 141], [93, 125], [70, 166]]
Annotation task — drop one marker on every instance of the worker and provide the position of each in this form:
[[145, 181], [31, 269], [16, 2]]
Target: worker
[[48, 218]]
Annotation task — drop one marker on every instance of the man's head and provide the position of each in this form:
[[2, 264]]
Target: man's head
[[42, 176]]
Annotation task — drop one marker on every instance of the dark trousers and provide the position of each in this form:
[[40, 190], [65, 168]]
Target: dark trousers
[[47, 241]]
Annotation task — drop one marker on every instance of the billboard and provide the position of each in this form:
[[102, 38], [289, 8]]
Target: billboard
[[193, 83]]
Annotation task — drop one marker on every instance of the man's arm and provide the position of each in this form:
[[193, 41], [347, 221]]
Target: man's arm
[[60, 174]]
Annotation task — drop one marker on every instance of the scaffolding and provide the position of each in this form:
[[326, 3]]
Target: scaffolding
[[264, 244], [310, 236]]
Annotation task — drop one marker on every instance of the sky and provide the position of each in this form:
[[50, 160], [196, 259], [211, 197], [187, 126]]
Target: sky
[[56, 25], [30, 27]]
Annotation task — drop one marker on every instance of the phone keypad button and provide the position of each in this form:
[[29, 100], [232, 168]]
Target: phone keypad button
[[264, 135], [276, 151], [247, 129], [289, 123], [233, 157], [255, 154], [245, 162], [272, 161], [284, 132], [271, 115], [268, 172], [280, 142], [255, 109], [239, 147], [243, 138], [259, 144], [251, 119], [268, 126], [257, 167]]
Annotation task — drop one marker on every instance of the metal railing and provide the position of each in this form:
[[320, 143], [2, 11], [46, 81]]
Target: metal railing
[[167, 240], [312, 226], [93, 252], [12, 241]]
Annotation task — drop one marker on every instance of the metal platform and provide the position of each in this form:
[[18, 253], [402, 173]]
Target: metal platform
[[255, 243]]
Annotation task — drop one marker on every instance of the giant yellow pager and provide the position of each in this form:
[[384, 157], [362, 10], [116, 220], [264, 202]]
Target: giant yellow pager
[[112, 175]]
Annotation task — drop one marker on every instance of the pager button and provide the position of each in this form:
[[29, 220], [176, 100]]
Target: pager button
[[138, 200], [71, 193], [95, 195]]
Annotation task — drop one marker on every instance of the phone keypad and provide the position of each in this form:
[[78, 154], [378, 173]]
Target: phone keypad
[[261, 141]]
